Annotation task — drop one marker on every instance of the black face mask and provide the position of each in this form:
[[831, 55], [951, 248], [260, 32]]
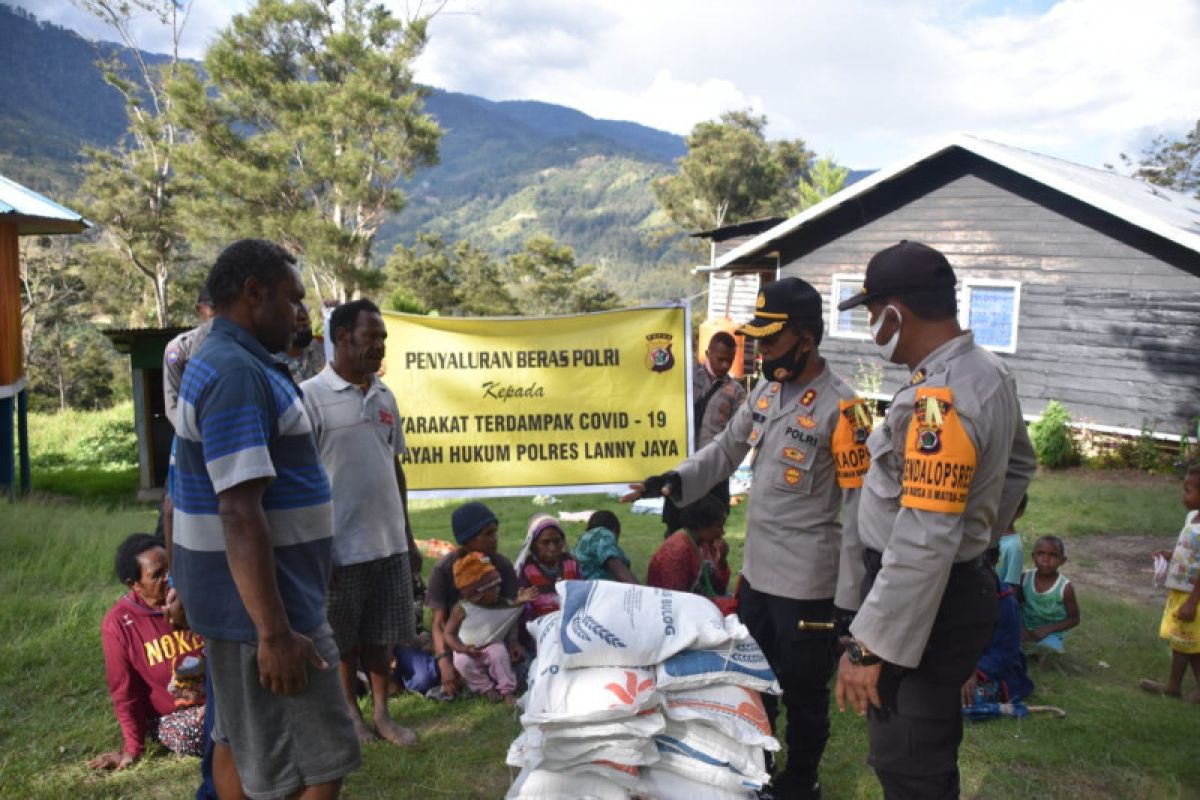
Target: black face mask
[[786, 367]]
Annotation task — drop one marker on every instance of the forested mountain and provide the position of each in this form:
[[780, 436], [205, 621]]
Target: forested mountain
[[507, 171]]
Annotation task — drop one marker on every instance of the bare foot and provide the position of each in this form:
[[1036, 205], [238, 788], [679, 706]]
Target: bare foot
[[396, 734], [361, 730], [510, 699], [1157, 687], [492, 695]]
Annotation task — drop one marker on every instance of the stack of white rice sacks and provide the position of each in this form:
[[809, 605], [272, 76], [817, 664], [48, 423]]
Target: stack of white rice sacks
[[642, 693]]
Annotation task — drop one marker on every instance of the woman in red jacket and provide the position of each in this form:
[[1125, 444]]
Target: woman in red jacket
[[155, 673], [695, 557]]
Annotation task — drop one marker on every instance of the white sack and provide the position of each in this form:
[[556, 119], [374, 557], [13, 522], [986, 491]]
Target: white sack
[[620, 624], [739, 661], [735, 711], [661, 784], [590, 694]]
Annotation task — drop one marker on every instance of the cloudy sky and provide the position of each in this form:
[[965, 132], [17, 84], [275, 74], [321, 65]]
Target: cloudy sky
[[870, 82]]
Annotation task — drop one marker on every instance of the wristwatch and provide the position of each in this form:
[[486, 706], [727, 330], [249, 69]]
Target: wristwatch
[[860, 656]]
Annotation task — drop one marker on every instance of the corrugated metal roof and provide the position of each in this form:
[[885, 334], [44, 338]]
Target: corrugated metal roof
[[34, 213], [1169, 214]]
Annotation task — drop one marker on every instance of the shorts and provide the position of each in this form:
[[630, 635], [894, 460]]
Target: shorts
[[372, 603], [1050, 643], [1184, 637], [282, 743]]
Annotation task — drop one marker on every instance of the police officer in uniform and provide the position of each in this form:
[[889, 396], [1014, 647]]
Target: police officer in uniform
[[810, 432], [179, 351], [948, 467]]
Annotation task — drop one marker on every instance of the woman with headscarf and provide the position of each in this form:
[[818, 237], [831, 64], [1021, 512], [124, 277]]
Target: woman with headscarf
[[544, 561]]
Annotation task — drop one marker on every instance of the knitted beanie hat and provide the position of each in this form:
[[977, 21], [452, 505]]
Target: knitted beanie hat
[[469, 520], [474, 573]]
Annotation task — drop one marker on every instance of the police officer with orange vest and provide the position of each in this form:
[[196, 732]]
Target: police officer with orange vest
[[801, 560], [949, 465]]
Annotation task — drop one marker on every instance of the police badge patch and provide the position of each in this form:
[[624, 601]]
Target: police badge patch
[[928, 416], [659, 357]]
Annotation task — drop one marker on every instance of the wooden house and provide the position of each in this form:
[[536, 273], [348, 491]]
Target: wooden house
[[1086, 282], [23, 212]]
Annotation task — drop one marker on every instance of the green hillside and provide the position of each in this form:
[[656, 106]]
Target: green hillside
[[507, 171]]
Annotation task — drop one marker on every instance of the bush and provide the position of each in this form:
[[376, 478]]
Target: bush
[[114, 444], [1052, 438]]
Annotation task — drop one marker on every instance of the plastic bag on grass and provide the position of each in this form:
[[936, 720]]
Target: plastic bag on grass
[[735, 711], [605, 623], [740, 662]]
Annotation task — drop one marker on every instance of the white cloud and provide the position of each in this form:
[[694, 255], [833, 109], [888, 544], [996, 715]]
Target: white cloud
[[868, 80]]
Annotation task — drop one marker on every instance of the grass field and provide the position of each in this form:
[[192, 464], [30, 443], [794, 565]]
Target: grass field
[[1116, 742]]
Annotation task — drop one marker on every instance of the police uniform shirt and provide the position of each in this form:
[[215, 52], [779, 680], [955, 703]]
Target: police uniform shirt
[[175, 358], [794, 539], [948, 468], [721, 404]]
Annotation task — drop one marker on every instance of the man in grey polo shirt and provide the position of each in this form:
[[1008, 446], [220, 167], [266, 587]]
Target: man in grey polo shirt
[[357, 426]]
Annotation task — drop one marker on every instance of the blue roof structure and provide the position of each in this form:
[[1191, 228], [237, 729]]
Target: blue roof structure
[[35, 214]]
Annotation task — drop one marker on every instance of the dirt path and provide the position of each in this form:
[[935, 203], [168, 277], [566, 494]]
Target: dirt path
[[1119, 565]]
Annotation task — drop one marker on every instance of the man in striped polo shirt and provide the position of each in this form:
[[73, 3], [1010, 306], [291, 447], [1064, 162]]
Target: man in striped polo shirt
[[252, 541]]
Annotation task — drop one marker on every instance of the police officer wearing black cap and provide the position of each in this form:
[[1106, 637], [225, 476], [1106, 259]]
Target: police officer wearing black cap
[[949, 465], [810, 432]]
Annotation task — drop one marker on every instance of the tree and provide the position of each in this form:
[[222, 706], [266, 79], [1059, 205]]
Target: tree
[[731, 173], [308, 120], [1173, 163], [131, 190], [545, 280], [824, 178], [68, 362], [450, 280]]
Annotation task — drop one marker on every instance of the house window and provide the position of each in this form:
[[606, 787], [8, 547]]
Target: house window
[[852, 324], [991, 310]]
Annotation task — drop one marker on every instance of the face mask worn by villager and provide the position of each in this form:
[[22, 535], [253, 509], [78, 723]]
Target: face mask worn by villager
[[888, 348]]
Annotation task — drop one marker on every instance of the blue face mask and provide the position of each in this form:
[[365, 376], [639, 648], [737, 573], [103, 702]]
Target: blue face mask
[[888, 348]]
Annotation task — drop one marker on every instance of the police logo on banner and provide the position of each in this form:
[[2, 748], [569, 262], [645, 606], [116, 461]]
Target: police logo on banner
[[659, 357]]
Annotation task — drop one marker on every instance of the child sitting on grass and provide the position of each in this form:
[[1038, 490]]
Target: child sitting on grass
[[1179, 626], [482, 631], [599, 555], [1048, 606]]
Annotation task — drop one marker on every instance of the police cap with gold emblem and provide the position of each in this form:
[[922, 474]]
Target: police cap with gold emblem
[[783, 301], [903, 268]]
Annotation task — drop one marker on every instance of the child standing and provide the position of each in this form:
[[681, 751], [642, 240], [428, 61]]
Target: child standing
[[1048, 606], [543, 562], [1179, 626], [482, 630], [1012, 554]]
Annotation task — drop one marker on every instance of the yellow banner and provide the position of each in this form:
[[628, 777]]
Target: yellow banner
[[496, 406]]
